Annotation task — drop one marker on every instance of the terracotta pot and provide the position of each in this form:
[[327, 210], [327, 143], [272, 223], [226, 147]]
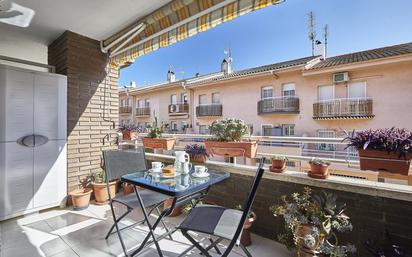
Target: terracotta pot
[[176, 211], [232, 149], [304, 250], [80, 198], [127, 189], [382, 161], [126, 135], [100, 192], [198, 158], [246, 239], [278, 166], [318, 171], [158, 143]]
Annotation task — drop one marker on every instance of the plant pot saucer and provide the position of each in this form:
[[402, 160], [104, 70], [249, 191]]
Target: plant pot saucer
[[318, 176], [276, 170]]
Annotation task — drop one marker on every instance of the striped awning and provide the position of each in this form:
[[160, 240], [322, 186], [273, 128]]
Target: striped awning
[[175, 22]]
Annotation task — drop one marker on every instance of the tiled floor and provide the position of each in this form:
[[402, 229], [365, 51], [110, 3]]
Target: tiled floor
[[67, 233]]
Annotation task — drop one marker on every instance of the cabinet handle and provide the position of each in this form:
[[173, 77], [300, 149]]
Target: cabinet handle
[[32, 140]]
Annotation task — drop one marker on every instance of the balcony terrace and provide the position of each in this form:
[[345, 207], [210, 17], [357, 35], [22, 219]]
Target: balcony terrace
[[178, 109], [207, 110], [125, 109], [345, 108], [279, 105], [142, 111]]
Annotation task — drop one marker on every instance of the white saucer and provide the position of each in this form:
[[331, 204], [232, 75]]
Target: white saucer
[[201, 175], [155, 171]]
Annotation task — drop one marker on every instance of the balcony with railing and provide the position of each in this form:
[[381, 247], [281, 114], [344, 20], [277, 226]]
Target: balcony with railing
[[125, 109], [205, 110], [178, 109], [142, 111], [345, 108], [280, 105]]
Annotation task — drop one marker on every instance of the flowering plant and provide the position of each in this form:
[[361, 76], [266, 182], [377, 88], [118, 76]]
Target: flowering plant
[[196, 150], [154, 130], [229, 129], [128, 127], [397, 140], [323, 214]]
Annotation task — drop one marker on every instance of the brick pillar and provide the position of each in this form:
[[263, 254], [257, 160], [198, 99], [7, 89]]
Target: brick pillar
[[91, 86]]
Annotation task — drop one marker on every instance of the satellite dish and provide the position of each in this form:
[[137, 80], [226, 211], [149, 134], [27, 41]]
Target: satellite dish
[[15, 14]]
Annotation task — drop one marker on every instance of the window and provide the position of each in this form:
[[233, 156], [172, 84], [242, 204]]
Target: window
[[147, 102], [326, 92], [173, 99], [357, 90], [141, 103], [288, 89], [173, 126], [267, 92], [129, 101], [327, 134], [288, 129], [202, 99], [185, 99], [270, 130], [215, 98], [203, 129], [122, 102]]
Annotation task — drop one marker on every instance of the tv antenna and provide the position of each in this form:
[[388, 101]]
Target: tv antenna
[[325, 38], [312, 30]]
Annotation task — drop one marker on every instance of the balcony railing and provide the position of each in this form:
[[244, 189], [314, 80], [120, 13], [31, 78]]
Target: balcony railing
[[125, 109], [209, 110], [343, 108], [178, 109], [285, 104], [142, 111]]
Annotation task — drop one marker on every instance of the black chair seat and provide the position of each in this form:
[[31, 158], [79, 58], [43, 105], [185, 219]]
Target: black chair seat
[[213, 220], [149, 198]]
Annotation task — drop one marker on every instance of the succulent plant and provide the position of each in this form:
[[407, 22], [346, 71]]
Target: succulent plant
[[154, 130], [280, 158], [229, 129], [391, 140], [320, 162]]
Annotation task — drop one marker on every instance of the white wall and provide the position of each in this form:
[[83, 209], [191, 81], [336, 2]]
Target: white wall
[[17, 43]]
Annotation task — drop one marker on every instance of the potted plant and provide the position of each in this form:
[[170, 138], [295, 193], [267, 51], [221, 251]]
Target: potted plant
[[129, 132], [228, 141], [318, 168], [100, 188], [246, 239], [154, 138], [127, 188], [197, 153], [383, 149], [313, 223], [278, 164], [80, 197]]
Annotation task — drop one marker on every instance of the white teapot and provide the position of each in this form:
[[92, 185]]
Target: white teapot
[[181, 159]]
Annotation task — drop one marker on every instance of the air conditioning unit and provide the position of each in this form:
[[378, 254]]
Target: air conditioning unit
[[174, 108], [340, 77]]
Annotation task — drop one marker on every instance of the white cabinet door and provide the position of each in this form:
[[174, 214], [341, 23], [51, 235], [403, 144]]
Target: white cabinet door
[[50, 173], [16, 101], [16, 178], [50, 106]]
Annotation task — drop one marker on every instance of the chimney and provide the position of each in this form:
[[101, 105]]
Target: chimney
[[133, 84], [320, 49], [226, 66], [171, 77]]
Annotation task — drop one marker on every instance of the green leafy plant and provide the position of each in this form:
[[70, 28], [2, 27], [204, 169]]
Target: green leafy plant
[[229, 130], [319, 162], [320, 211], [154, 130], [240, 208]]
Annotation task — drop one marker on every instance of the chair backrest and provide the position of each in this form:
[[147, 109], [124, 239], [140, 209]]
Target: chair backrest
[[118, 163], [248, 204]]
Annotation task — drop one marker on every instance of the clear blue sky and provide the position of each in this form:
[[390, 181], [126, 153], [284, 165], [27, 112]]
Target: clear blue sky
[[279, 33]]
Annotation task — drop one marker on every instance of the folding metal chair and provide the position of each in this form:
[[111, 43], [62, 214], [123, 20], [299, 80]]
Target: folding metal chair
[[221, 222], [116, 164]]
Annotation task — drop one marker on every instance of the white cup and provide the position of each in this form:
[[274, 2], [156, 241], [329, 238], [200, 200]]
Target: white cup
[[157, 166], [199, 169]]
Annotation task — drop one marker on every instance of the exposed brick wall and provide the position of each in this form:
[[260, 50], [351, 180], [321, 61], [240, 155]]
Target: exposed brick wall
[[370, 215], [91, 85]]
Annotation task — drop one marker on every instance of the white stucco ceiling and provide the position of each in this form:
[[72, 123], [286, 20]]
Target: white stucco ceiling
[[96, 19]]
